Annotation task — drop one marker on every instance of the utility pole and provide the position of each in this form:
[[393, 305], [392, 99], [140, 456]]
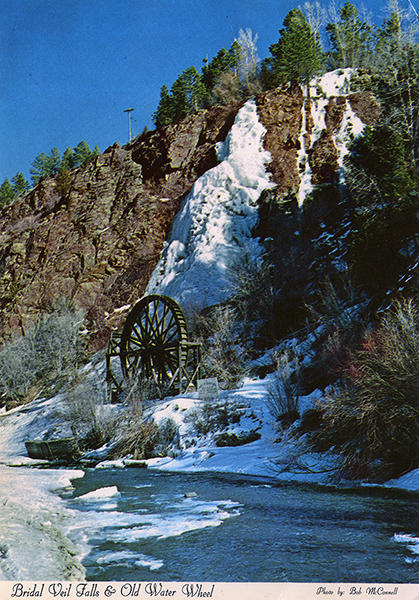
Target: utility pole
[[129, 111]]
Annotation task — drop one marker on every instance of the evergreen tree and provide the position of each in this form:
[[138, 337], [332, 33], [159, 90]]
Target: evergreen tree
[[82, 154], [297, 56], [390, 37], [7, 193], [187, 95], [45, 166], [394, 79], [55, 161], [383, 192], [227, 86], [350, 38], [20, 184], [67, 162], [40, 168], [164, 113], [222, 62]]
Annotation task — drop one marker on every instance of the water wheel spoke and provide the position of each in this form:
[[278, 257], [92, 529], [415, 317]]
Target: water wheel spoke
[[163, 327], [167, 326], [148, 324], [165, 367], [162, 316], [136, 340], [173, 336]]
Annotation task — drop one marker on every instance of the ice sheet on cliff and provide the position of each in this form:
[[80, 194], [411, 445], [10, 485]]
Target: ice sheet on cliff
[[213, 228]]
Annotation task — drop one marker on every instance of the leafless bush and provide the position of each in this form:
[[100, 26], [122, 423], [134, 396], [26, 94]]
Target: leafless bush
[[47, 355], [91, 419], [338, 308], [137, 434], [372, 419], [142, 438], [137, 439], [214, 415], [58, 343], [283, 391], [253, 295], [223, 354], [228, 89], [140, 392]]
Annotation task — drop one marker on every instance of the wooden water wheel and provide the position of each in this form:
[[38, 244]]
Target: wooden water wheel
[[150, 338], [153, 345]]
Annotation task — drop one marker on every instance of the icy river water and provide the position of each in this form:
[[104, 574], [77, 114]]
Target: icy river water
[[141, 524]]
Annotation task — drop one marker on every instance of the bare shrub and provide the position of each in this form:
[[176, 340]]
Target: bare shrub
[[15, 371], [372, 419], [58, 343], [339, 314], [253, 295], [141, 391], [138, 439], [143, 438], [270, 293], [228, 89], [249, 63], [90, 417], [138, 435], [223, 355], [216, 414], [338, 307], [283, 390], [47, 355]]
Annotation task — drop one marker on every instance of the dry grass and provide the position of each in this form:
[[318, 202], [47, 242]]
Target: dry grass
[[137, 434], [89, 414]]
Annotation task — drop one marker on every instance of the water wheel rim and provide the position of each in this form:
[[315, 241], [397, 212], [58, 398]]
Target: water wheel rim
[[150, 339]]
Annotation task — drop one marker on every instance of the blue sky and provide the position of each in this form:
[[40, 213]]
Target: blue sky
[[69, 68]]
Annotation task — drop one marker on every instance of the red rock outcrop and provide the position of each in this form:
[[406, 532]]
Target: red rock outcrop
[[280, 111]]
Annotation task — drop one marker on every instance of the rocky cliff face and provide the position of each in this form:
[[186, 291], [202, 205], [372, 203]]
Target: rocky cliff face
[[95, 236]]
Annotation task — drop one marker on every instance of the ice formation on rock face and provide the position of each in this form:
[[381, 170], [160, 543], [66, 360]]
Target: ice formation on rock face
[[335, 83], [213, 228]]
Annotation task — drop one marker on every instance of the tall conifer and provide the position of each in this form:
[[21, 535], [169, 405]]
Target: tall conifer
[[297, 56]]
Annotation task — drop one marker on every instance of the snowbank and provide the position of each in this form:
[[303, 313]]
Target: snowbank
[[33, 516], [33, 545]]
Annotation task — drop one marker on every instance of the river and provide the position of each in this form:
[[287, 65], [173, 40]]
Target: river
[[143, 524]]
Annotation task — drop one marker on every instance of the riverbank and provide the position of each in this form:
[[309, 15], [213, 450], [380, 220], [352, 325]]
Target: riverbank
[[34, 516], [33, 520]]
